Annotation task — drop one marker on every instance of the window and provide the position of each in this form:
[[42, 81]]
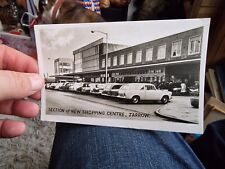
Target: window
[[103, 63], [109, 62], [176, 48], [149, 54], [129, 58], [78, 62], [115, 61], [96, 49], [194, 45], [161, 52], [122, 60], [66, 64], [138, 56], [149, 87]]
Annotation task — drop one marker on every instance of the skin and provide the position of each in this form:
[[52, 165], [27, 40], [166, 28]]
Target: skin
[[18, 79]]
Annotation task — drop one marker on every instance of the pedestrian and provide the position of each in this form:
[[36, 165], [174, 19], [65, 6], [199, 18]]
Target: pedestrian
[[183, 89]]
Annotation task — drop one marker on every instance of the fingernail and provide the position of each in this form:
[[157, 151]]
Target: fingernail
[[36, 82]]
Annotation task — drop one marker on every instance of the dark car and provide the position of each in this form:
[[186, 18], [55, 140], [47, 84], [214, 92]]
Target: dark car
[[175, 88], [65, 86], [108, 88], [114, 92]]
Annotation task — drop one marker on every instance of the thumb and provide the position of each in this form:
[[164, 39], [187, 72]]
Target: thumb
[[17, 85]]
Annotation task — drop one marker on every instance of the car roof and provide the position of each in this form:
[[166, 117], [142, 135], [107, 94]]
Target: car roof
[[140, 84]]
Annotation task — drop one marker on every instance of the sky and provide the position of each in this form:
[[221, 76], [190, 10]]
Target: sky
[[55, 41]]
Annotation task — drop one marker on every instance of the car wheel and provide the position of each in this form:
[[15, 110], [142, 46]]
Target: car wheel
[[135, 99], [165, 99]]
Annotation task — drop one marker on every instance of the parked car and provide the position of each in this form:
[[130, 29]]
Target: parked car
[[98, 89], [65, 86], [79, 89], [194, 89], [52, 86], [114, 92], [107, 89], [58, 85], [74, 87], [175, 88], [47, 85], [88, 87], [136, 92]]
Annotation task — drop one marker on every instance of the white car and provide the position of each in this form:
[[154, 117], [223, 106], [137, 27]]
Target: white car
[[74, 87], [98, 89], [58, 85], [137, 92], [88, 87]]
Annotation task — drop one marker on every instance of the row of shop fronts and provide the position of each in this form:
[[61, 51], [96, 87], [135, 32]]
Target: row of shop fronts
[[185, 72]]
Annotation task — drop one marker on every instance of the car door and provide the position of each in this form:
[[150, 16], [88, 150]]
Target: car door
[[151, 93], [140, 91]]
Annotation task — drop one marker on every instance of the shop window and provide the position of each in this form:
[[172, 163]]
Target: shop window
[[115, 61], [103, 63], [176, 48], [194, 45], [129, 58], [149, 54], [122, 60], [138, 56], [109, 62], [151, 79], [158, 71], [161, 52]]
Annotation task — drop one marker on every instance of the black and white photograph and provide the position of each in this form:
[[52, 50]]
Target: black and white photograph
[[142, 74]]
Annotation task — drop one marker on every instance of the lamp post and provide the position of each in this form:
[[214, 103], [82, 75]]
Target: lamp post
[[106, 55]]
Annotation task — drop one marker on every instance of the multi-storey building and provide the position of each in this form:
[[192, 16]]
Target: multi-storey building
[[86, 59], [172, 58], [63, 66]]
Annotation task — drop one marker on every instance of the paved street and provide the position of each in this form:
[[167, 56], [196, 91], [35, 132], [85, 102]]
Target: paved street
[[65, 103]]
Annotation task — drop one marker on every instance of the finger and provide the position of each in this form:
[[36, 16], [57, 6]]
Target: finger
[[9, 128], [21, 108], [15, 85], [36, 96], [11, 59]]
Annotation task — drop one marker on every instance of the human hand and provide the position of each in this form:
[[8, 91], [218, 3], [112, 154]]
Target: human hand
[[18, 79]]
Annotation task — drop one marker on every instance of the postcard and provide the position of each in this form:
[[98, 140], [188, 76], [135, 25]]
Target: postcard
[[141, 74]]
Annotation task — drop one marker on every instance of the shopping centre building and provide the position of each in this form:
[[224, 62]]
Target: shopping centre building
[[172, 58]]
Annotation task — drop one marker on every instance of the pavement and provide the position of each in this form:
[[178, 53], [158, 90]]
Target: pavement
[[182, 110]]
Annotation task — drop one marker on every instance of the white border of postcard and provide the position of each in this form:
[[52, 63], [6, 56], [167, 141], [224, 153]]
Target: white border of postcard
[[163, 27]]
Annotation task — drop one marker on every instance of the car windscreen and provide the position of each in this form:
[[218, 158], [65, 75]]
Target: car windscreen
[[116, 86], [132, 87], [125, 87], [108, 86], [100, 86]]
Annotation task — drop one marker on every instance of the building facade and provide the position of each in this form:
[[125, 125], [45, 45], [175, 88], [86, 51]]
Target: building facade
[[63, 66], [86, 59], [173, 58]]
